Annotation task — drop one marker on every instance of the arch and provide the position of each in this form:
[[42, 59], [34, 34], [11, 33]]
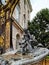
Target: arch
[[17, 40], [13, 7], [10, 5], [17, 36]]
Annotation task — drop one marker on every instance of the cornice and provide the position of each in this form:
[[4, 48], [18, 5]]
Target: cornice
[[17, 24]]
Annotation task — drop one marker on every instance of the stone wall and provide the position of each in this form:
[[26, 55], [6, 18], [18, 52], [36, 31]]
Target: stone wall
[[38, 63], [24, 13], [42, 62], [15, 31]]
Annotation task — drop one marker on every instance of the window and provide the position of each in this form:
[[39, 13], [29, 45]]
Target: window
[[24, 18], [24, 21], [28, 15], [24, 3], [16, 13]]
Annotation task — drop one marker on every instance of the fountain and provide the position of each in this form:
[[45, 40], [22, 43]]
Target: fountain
[[26, 49], [26, 43]]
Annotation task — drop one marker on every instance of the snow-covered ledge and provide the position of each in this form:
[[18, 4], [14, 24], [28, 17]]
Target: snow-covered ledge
[[43, 53]]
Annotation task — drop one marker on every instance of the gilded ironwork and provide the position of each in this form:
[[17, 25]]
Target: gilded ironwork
[[6, 10], [9, 5], [2, 30]]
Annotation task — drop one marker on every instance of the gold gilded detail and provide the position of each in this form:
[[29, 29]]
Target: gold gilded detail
[[10, 4], [1, 41]]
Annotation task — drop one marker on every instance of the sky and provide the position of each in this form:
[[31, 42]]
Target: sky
[[37, 5]]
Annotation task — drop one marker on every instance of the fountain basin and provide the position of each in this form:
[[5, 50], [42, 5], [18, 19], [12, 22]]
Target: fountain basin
[[19, 59], [32, 60]]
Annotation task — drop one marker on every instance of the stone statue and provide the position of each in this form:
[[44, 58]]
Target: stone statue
[[26, 43]]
